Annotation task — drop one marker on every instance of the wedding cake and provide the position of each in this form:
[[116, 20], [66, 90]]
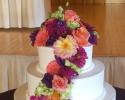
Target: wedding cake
[[66, 70]]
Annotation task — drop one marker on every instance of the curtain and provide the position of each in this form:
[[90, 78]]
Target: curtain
[[16, 42], [23, 13], [13, 70], [114, 70]]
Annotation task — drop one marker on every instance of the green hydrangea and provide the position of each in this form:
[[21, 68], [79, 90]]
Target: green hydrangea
[[43, 90], [58, 14]]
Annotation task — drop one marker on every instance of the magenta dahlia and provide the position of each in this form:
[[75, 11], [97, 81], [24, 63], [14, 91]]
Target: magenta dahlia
[[68, 72], [56, 28], [38, 98], [80, 58]]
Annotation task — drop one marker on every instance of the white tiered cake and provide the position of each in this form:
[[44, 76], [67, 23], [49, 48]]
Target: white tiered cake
[[65, 70], [89, 85]]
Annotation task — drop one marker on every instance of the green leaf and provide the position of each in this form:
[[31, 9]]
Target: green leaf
[[73, 25], [96, 33], [58, 14], [73, 66], [67, 4], [60, 8]]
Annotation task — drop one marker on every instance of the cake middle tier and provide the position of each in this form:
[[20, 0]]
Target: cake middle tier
[[88, 85]]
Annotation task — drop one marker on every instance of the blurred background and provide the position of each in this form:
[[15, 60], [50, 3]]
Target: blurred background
[[19, 17]]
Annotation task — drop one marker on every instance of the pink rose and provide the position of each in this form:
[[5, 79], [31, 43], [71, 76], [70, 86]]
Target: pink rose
[[81, 35], [53, 67], [70, 15], [41, 38], [59, 83]]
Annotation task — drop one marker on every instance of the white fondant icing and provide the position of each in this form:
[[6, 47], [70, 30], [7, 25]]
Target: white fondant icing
[[89, 86], [33, 78], [87, 66], [102, 95], [110, 92], [88, 69], [46, 55]]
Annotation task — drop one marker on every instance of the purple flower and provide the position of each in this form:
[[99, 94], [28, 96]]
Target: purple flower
[[38, 98], [33, 36], [60, 61], [90, 28], [93, 39], [80, 58], [67, 72], [47, 79], [56, 28]]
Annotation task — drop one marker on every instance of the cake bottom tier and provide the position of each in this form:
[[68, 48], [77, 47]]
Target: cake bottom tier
[[109, 94]]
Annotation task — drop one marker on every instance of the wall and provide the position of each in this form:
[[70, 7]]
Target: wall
[[16, 42], [87, 1], [77, 1], [115, 1]]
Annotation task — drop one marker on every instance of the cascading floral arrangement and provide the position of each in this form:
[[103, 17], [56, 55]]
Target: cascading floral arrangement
[[67, 35]]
